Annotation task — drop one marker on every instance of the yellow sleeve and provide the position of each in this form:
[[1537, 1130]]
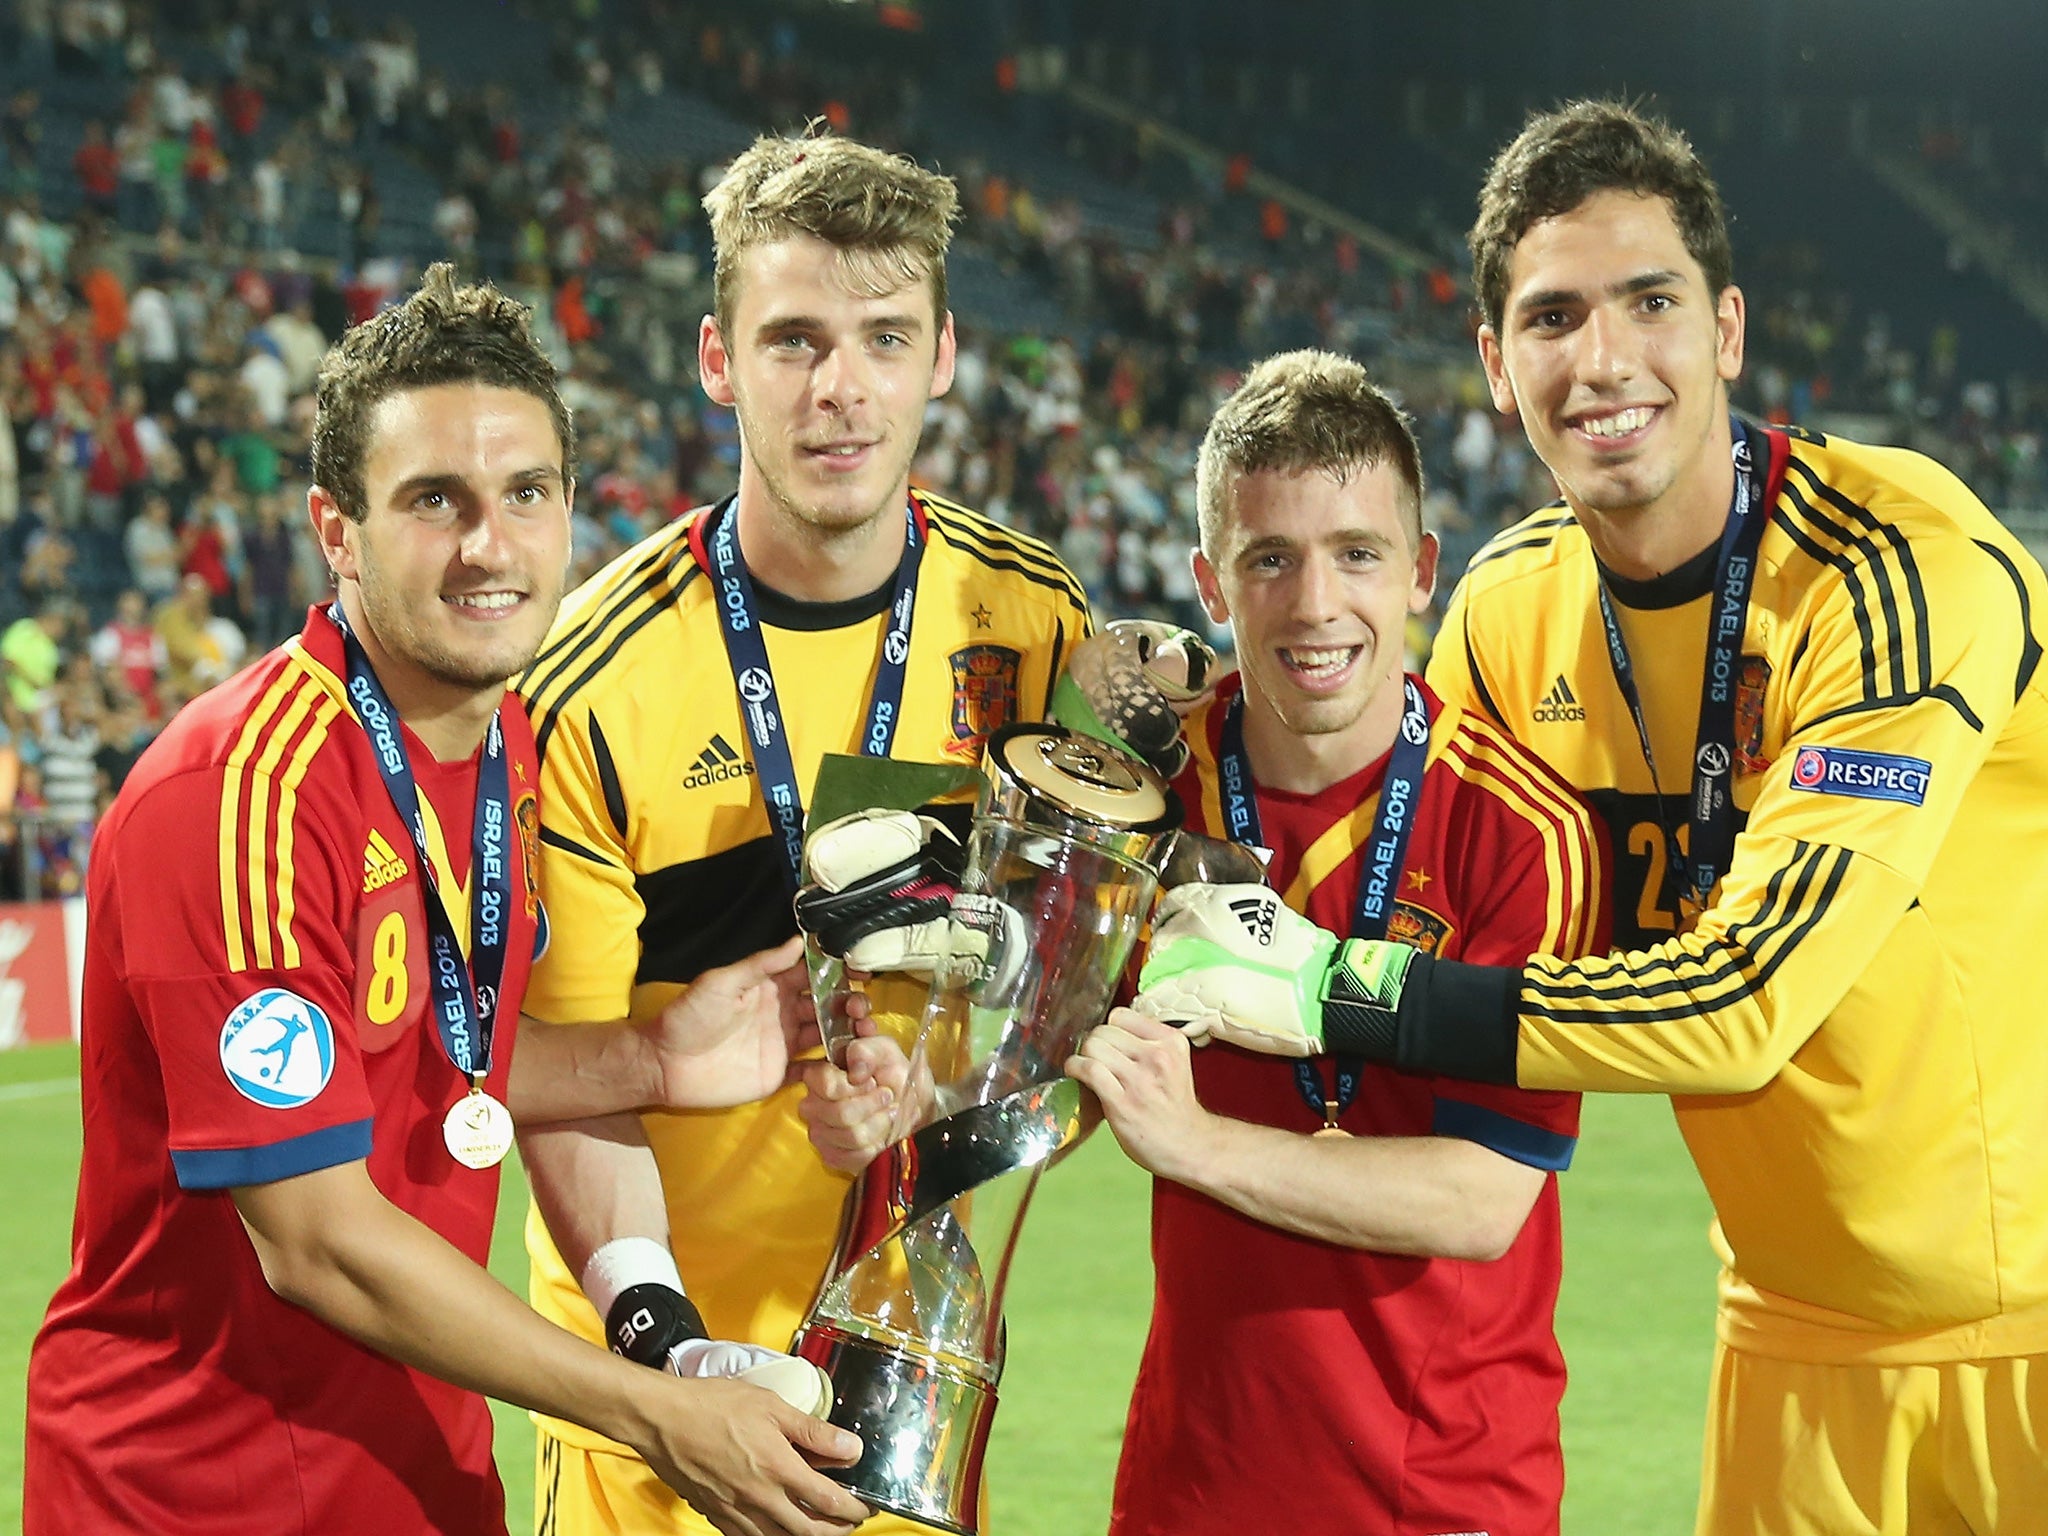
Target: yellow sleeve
[[594, 907], [1453, 671], [1908, 702]]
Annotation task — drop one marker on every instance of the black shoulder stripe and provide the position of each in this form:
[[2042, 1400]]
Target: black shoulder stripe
[[2030, 653], [1877, 536], [1743, 967], [1941, 693], [626, 585], [649, 584], [1500, 551], [1852, 579], [1066, 586], [993, 537], [1478, 682], [1909, 566], [555, 839], [658, 604], [608, 777], [1532, 533]]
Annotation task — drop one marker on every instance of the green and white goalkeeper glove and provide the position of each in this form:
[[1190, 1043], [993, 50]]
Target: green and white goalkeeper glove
[[1235, 963], [1130, 683]]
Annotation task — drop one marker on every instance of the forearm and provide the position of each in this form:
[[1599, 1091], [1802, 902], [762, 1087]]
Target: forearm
[[594, 1180], [372, 1272], [580, 1071], [1424, 1196], [1718, 1010]]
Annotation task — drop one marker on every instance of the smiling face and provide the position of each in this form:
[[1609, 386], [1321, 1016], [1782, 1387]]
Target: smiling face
[[830, 359], [1618, 356], [1317, 578], [460, 560]]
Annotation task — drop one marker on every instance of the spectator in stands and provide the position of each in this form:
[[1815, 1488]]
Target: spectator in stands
[[125, 730], [70, 743], [205, 549], [31, 651], [98, 168], [128, 648], [271, 597], [154, 557], [190, 662]]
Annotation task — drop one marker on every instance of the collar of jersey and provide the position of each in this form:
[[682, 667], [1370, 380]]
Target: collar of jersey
[[1674, 589]]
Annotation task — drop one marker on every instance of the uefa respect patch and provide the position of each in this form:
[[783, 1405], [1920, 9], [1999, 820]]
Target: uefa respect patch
[[277, 1049], [1861, 775]]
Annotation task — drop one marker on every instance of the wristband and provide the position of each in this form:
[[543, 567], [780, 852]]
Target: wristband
[[635, 1287]]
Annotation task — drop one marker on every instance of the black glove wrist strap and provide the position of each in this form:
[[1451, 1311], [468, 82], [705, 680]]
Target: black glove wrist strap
[[650, 1319]]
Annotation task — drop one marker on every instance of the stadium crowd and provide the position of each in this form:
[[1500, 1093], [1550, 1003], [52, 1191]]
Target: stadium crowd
[[160, 337]]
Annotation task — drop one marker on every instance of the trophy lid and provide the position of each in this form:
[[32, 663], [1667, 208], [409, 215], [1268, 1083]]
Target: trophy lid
[[1047, 773]]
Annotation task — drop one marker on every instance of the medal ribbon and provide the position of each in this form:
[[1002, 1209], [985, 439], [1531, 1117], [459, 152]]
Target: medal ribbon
[[465, 995], [760, 709], [1712, 805], [1384, 857]]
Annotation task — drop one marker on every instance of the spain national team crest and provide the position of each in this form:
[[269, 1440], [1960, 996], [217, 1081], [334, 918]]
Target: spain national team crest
[[1418, 928], [984, 697], [1751, 678]]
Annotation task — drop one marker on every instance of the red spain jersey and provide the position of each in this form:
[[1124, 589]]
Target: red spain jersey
[[256, 1007], [1295, 1385]]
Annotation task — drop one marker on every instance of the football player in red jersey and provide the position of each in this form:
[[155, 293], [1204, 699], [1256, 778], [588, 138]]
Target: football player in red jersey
[[1356, 1268], [313, 908]]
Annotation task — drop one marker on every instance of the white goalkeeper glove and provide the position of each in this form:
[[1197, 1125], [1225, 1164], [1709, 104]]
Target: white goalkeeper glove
[[1236, 963], [881, 888], [635, 1287], [1130, 683]]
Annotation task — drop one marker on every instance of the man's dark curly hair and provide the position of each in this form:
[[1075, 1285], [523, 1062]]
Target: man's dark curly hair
[[1562, 158], [443, 334]]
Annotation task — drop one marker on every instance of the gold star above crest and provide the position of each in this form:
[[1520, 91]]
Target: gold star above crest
[[1420, 878], [981, 616]]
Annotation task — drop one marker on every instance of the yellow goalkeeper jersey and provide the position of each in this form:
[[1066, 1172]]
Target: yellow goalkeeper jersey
[[1850, 1031], [658, 860]]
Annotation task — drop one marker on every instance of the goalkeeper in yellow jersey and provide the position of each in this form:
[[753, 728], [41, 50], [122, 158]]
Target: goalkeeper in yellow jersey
[[1801, 680]]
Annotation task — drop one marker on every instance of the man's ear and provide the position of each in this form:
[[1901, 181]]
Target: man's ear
[[334, 529], [1210, 589], [1495, 362], [714, 363], [1426, 558]]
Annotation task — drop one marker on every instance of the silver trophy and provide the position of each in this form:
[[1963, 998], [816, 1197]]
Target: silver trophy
[[1062, 867]]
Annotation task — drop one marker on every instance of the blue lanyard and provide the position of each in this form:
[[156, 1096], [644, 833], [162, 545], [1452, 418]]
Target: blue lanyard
[[1712, 805], [1383, 858], [465, 996], [747, 651]]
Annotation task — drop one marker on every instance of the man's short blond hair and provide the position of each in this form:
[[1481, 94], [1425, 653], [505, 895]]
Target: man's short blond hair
[[1303, 411], [891, 217]]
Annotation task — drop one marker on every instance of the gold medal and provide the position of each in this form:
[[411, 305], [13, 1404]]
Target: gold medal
[[1331, 1130], [478, 1130], [1330, 1127]]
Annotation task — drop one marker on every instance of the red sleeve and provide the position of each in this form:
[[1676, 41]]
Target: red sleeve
[[232, 902], [1532, 867]]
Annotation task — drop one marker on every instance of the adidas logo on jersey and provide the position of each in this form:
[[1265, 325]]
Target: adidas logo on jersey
[[1256, 913], [715, 764], [1559, 705], [381, 863]]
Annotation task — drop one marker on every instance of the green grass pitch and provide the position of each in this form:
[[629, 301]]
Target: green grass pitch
[[1635, 1316]]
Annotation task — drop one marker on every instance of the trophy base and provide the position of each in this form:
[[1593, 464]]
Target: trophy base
[[923, 1428]]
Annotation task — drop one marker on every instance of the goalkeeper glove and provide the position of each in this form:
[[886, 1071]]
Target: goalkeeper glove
[[1236, 963], [635, 1287], [1128, 685], [882, 885]]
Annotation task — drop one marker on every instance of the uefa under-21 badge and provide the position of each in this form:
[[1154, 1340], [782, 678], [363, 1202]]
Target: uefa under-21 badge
[[277, 1049]]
